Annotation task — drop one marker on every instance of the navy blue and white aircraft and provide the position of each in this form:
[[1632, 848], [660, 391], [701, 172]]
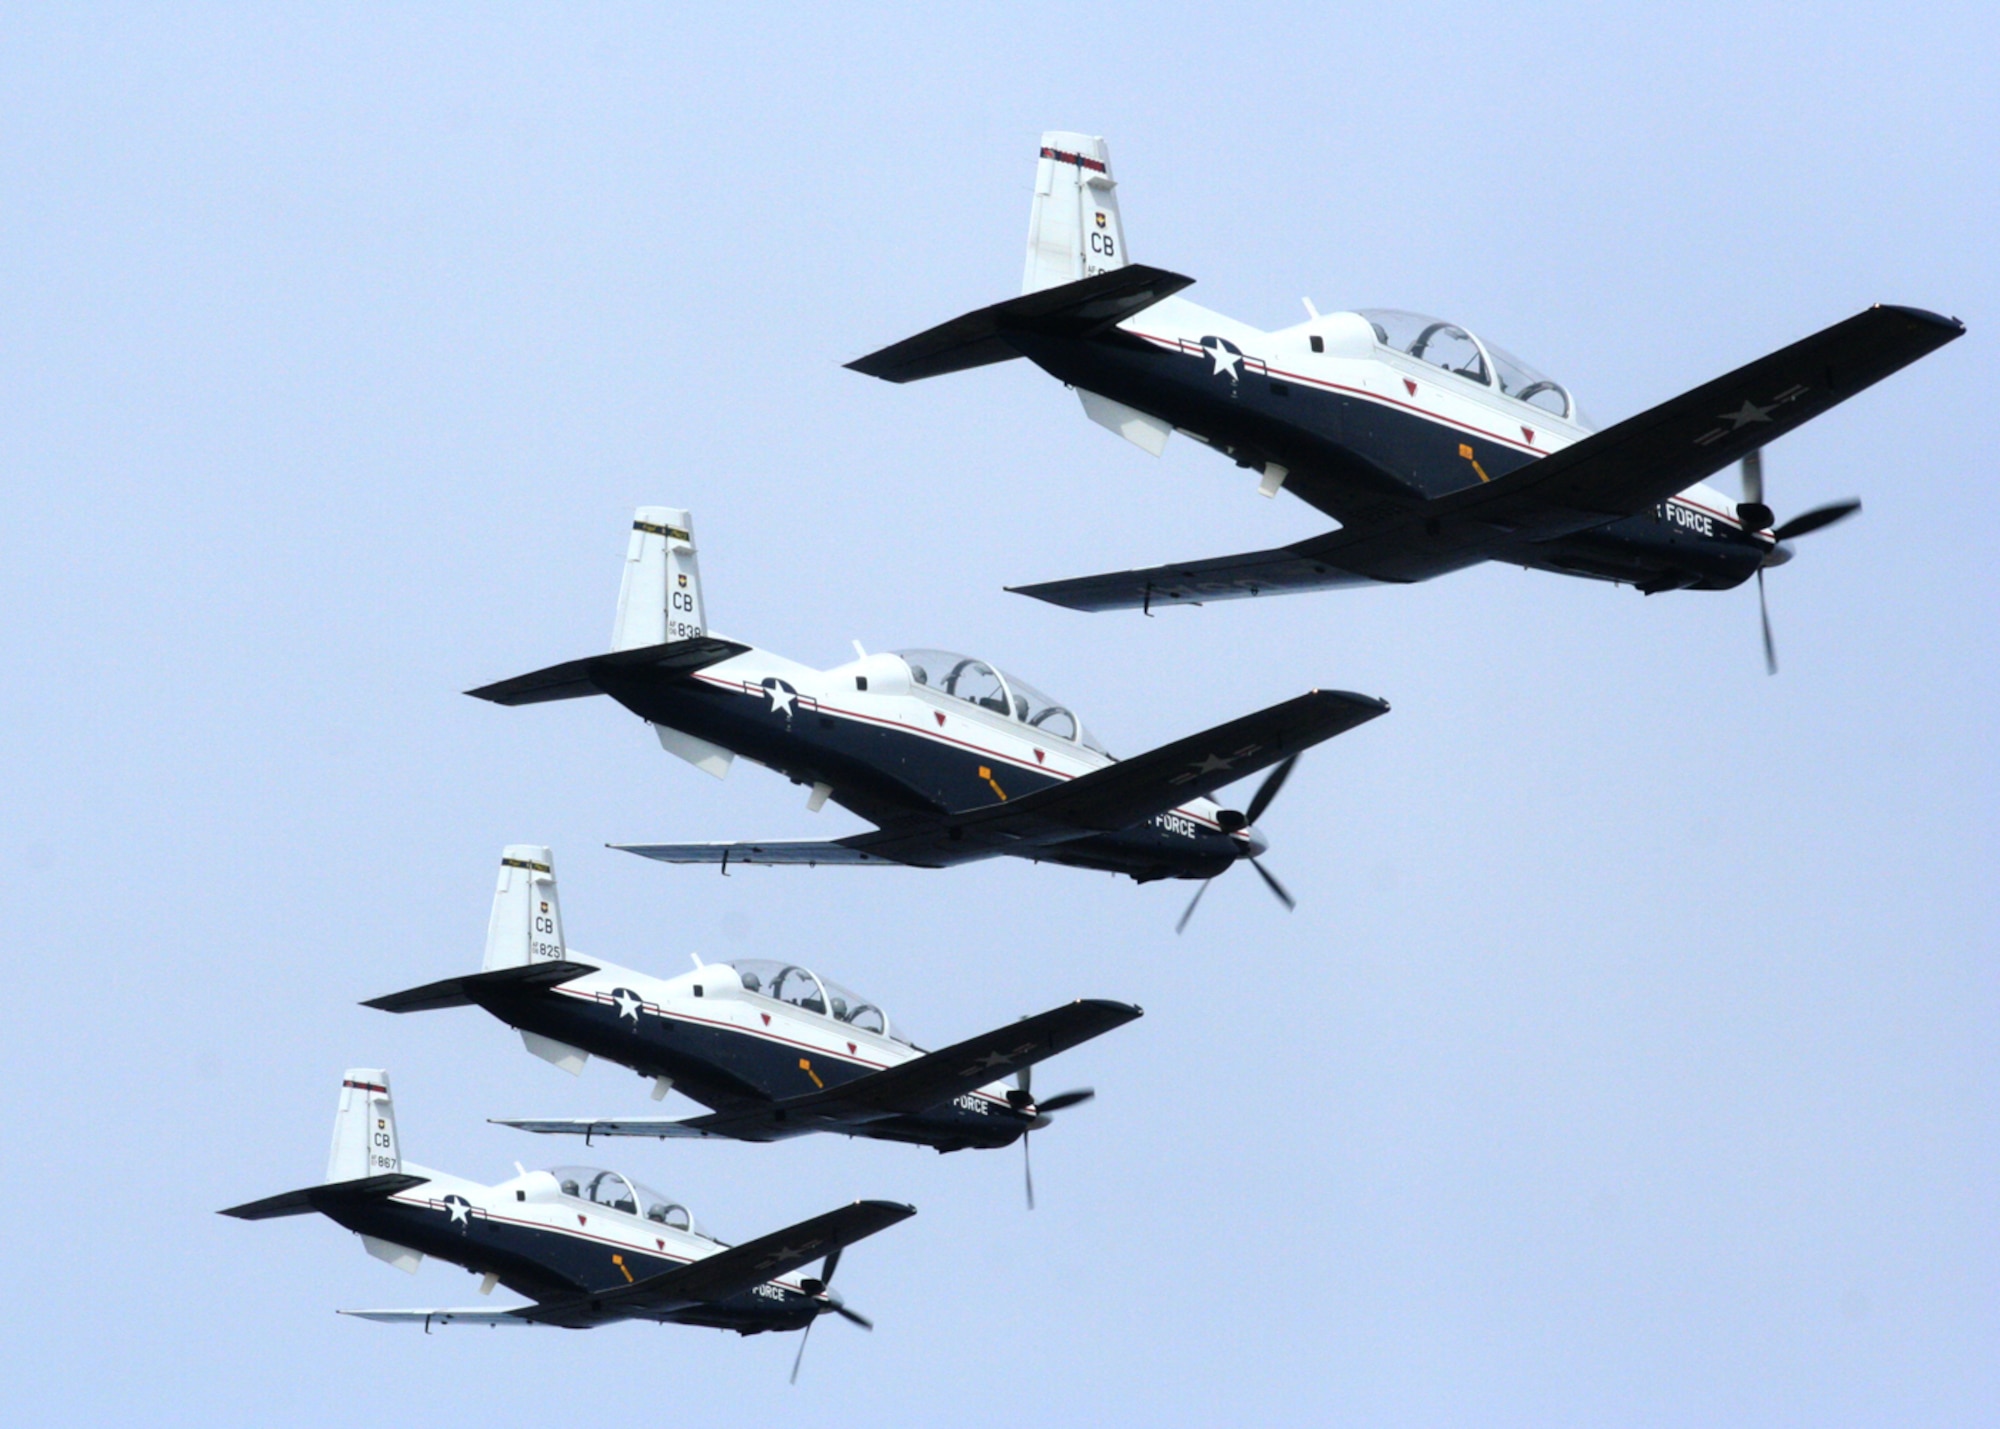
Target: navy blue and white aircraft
[[774, 1049], [953, 759], [1433, 449], [585, 1246]]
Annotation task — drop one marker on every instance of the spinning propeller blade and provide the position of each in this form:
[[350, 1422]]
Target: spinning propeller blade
[[1756, 516], [1271, 882], [1259, 802], [800, 1358], [1063, 1100], [1268, 790], [1181, 927], [1764, 614], [822, 1286], [1816, 518]]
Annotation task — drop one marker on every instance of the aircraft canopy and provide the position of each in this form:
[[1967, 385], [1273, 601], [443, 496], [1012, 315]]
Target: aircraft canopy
[[808, 992], [976, 682], [1447, 345], [615, 1193]]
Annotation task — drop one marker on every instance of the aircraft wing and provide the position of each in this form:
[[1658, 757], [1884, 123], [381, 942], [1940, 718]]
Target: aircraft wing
[[1607, 476], [915, 1086], [1132, 790], [1623, 469], [428, 1318], [462, 991], [575, 679], [937, 1077], [774, 852], [1080, 309], [726, 1273], [1103, 801], [1283, 570]]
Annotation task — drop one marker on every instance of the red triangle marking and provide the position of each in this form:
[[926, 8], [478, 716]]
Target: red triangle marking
[[1041, 758], [1529, 433], [581, 1219], [660, 1243], [1411, 385], [767, 1018], [940, 717], [850, 1047]]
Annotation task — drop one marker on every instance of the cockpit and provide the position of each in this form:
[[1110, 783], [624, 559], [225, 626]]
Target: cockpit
[[965, 678], [808, 992], [614, 1192], [1447, 345]]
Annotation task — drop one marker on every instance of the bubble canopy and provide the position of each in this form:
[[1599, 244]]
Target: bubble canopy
[[806, 991], [614, 1192], [976, 682], [1447, 345]]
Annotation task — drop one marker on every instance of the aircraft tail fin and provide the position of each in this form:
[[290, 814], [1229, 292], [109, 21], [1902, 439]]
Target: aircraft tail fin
[[1073, 228], [364, 1129], [526, 923], [659, 599]]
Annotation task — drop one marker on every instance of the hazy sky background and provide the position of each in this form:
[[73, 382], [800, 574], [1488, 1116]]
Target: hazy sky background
[[1631, 1057]]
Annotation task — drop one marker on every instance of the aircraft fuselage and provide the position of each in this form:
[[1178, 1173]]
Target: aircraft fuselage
[[1361, 434], [889, 754], [549, 1246]]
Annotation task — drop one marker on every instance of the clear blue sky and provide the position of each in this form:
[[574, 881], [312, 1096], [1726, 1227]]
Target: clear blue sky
[[1631, 1058]]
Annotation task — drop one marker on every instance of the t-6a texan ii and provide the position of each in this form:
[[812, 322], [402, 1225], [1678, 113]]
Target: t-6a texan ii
[[1433, 449], [951, 758]]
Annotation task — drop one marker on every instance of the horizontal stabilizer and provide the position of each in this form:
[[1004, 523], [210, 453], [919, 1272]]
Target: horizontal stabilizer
[[1076, 310], [329, 1195], [574, 679], [772, 853], [428, 1318], [1280, 571], [662, 1127], [466, 991], [729, 1272]]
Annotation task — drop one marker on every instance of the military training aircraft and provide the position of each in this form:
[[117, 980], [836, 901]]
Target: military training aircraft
[[775, 1049], [1433, 449], [586, 1246], [952, 759]]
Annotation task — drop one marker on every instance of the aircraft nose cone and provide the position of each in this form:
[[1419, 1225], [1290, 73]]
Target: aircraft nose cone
[[1256, 845]]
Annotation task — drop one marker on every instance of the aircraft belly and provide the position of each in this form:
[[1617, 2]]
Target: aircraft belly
[[1651, 552], [538, 1261], [1343, 452]]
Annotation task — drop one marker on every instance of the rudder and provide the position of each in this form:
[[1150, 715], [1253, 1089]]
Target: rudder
[[364, 1128], [659, 598], [1073, 228], [526, 923]]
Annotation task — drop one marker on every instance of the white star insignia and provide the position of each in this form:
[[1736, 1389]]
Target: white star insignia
[[1746, 414], [628, 1003], [781, 700], [458, 1210], [1214, 764], [1225, 361]]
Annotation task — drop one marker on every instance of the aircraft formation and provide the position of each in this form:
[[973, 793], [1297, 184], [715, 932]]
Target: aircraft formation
[[1432, 450]]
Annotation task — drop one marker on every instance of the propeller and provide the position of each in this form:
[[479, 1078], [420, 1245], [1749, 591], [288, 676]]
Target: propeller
[[1756, 516], [1023, 1099], [1232, 821], [820, 1286]]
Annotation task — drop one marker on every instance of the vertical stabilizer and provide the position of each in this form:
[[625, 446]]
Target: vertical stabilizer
[[1073, 229], [660, 598], [364, 1129], [526, 924]]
